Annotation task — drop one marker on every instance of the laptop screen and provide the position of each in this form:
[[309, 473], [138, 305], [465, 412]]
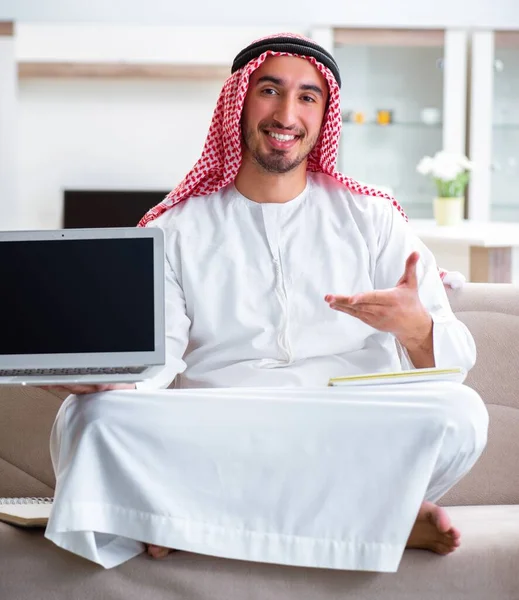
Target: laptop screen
[[76, 295]]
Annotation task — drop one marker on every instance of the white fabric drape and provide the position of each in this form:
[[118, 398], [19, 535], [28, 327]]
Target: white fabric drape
[[322, 477]]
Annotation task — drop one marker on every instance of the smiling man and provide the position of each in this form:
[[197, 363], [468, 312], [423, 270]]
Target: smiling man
[[281, 273], [281, 120]]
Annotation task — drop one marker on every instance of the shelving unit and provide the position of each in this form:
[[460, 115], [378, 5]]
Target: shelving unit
[[402, 71], [494, 126], [122, 70], [394, 125]]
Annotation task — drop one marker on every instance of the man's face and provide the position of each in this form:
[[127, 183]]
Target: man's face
[[283, 113]]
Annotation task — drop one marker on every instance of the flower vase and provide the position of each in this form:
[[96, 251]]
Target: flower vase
[[449, 211]]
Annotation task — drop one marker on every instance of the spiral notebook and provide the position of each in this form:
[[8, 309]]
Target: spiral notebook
[[25, 512]]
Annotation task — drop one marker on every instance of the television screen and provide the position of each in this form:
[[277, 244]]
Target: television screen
[[110, 208]]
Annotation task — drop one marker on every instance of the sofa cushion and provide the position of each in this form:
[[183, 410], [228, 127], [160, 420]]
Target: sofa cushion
[[16, 482], [26, 418], [484, 567], [491, 312], [495, 477]]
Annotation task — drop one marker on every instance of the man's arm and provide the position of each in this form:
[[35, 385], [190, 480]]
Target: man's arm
[[451, 341], [177, 334], [419, 345], [421, 354], [409, 300]]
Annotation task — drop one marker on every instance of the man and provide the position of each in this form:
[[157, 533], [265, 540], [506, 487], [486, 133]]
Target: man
[[281, 273]]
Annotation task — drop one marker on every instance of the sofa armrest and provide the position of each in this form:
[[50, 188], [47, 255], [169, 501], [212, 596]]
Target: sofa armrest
[[485, 297]]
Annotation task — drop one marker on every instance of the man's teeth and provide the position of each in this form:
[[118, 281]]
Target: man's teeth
[[281, 137]]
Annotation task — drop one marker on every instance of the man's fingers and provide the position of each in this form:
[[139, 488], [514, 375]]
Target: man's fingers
[[354, 310], [378, 297], [367, 317], [409, 276], [77, 388], [345, 309], [360, 313], [54, 388]]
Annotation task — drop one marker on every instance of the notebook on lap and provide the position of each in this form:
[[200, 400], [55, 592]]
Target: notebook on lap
[[454, 374], [81, 306], [25, 512]]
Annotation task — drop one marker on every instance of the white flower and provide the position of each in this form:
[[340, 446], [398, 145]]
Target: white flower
[[425, 166], [446, 171], [445, 156], [445, 166], [453, 158]]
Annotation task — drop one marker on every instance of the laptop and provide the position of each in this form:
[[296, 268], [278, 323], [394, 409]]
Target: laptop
[[81, 306]]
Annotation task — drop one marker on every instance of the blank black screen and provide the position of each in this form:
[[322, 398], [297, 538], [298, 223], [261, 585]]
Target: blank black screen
[[107, 208], [69, 296]]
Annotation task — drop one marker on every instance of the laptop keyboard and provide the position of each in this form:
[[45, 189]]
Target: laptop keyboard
[[73, 371]]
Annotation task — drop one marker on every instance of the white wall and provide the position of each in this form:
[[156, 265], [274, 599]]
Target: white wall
[[106, 134], [8, 135], [136, 43], [481, 13], [140, 134]]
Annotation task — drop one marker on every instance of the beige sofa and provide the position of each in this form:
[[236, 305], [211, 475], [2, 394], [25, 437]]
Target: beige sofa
[[485, 505]]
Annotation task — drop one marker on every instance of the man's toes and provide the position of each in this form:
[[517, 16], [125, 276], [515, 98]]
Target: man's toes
[[443, 548], [455, 533], [157, 551], [453, 536], [439, 517]]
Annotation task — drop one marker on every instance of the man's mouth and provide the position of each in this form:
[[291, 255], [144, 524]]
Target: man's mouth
[[282, 137], [281, 141]]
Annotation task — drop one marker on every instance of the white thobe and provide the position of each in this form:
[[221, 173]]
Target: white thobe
[[246, 283], [298, 473]]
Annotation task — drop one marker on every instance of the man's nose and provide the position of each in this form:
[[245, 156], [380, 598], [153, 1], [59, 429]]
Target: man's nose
[[286, 112]]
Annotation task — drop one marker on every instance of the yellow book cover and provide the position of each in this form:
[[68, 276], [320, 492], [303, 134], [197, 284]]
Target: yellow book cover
[[456, 374]]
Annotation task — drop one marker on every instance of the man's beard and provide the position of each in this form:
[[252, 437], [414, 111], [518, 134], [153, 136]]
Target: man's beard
[[276, 161]]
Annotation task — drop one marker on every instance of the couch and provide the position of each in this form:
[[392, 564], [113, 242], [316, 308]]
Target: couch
[[484, 505]]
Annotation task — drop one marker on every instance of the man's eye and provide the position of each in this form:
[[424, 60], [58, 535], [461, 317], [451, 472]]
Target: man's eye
[[269, 91], [308, 99]]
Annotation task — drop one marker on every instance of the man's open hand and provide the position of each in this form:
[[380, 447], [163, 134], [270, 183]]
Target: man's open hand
[[79, 389], [396, 310]]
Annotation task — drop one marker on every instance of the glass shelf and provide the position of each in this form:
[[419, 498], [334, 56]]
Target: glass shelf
[[402, 82], [504, 213], [410, 125], [504, 155]]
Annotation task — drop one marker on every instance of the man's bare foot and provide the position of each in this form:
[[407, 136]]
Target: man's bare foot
[[433, 530], [158, 551]]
